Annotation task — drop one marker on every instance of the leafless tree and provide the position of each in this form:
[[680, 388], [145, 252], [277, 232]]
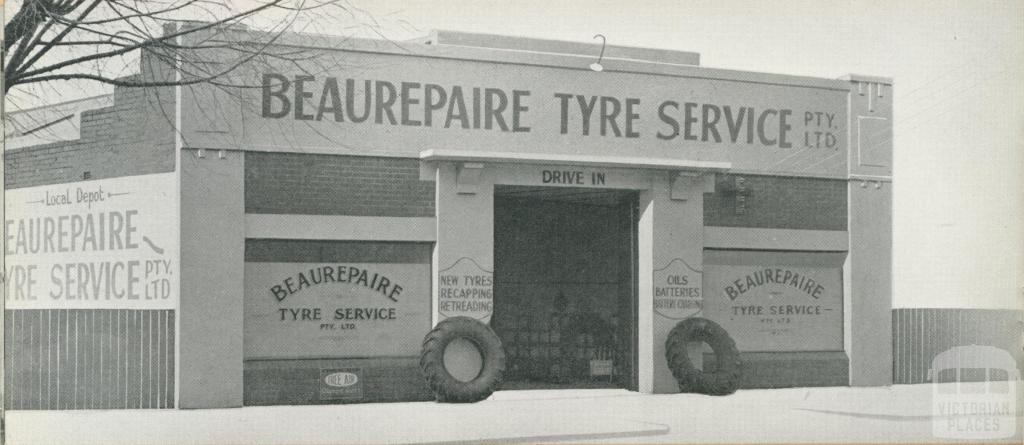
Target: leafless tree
[[55, 50], [99, 40]]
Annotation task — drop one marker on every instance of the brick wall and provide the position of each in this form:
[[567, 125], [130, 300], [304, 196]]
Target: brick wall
[[297, 382], [313, 184], [309, 184], [776, 202], [790, 369], [134, 136]]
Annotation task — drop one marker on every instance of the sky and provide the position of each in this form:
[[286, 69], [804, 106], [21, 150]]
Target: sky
[[958, 104], [958, 95]]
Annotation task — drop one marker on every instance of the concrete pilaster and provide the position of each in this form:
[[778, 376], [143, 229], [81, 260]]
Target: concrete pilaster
[[671, 244], [868, 268], [464, 251], [212, 260]]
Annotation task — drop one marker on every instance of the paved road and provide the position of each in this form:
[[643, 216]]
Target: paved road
[[894, 414], [890, 415]]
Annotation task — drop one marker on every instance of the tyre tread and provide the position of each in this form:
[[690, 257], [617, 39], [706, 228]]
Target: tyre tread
[[445, 387], [729, 368]]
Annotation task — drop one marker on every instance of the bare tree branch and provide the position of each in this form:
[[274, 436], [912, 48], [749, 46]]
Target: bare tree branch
[[60, 10], [144, 44], [111, 30]]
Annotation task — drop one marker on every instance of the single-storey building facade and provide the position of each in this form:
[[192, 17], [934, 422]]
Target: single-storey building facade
[[291, 234]]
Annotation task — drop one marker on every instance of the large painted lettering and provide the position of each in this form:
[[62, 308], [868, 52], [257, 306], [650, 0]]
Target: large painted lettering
[[307, 310], [104, 244]]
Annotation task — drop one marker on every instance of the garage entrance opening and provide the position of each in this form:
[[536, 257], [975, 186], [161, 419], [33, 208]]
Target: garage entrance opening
[[565, 286]]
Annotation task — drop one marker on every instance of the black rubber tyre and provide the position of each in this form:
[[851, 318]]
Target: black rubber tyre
[[447, 388], [726, 377]]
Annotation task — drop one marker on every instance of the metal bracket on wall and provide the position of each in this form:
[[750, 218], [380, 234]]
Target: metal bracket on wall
[[683, 181], [468, 178], [864, 183], [742, 193]]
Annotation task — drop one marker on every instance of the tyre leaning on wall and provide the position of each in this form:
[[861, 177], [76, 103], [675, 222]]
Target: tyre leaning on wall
[[447, 388], [728, 370]]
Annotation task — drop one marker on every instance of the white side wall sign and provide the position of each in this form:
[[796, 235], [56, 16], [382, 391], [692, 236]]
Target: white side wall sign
[[103, 244], [777, 307], [323, 310]]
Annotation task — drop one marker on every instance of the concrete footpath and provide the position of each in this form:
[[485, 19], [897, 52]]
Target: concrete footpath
[[894, 414]]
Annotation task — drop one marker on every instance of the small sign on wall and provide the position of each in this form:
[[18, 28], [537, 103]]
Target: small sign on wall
[[465, 289], [677, 290], [601, 368], [341, 384]]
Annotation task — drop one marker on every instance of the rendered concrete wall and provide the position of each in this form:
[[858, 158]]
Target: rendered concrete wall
[[868, 270], [465, 235], [671, 229], [212, 258]]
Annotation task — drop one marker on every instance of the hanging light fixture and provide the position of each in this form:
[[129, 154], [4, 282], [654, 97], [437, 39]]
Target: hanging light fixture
[[596, 66]]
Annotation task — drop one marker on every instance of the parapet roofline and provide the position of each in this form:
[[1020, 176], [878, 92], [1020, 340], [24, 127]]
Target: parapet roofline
[[489, 53], [867, 79], [477, 47], [98, 97], [534, 45], [59, 122]]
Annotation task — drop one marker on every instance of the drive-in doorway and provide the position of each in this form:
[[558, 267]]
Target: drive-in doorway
[[565, 287]]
